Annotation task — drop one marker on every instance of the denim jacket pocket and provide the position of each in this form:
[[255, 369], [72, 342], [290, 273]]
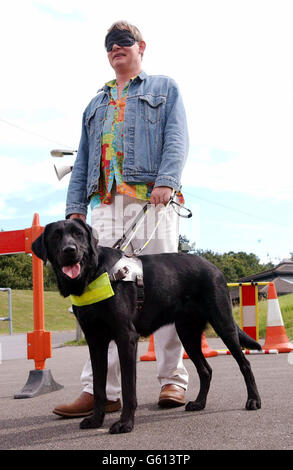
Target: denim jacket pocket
[[152, 107], [95, 119]]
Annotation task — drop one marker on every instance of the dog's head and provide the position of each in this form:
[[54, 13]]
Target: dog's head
[[70, 247]]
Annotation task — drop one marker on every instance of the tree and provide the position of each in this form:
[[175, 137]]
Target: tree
[[16, 273], [233, 265]]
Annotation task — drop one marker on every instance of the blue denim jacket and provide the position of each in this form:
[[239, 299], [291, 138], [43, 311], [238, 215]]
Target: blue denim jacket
[[155, 139]]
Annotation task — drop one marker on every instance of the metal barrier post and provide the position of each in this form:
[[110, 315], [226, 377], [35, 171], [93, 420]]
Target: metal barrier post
[[9, 318]]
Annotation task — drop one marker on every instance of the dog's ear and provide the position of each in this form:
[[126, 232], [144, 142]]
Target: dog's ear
[[39, 247], [94, 241], [91, 234]]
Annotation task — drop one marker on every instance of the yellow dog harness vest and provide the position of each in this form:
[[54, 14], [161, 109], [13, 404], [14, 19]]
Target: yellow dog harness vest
[[126, 269], [98, 290]]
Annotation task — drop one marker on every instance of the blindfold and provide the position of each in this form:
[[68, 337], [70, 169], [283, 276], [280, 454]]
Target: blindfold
[[122, 38]]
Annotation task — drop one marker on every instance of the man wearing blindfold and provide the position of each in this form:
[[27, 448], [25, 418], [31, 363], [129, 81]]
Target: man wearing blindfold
[[133, 148]]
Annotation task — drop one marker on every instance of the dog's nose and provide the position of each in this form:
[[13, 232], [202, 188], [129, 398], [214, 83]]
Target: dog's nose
[[69, 249]]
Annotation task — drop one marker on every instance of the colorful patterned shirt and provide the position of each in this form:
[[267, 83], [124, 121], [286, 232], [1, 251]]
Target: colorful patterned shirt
[[113, 154]]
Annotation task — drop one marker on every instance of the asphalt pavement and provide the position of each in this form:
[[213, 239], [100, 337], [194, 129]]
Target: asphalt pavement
[[29, 424]]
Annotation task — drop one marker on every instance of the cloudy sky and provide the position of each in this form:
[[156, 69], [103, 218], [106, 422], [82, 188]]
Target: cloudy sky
[[233, 62]]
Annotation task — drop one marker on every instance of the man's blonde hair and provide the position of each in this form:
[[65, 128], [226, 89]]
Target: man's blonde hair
[[130, 27]]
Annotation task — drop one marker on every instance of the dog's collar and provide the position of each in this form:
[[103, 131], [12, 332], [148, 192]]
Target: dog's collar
[[98, 290]]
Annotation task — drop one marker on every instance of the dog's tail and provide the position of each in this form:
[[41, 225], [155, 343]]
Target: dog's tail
[[246, 341]]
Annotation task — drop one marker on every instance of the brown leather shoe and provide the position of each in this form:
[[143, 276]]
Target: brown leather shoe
[[83, 406], [171, 395], [112, 406]]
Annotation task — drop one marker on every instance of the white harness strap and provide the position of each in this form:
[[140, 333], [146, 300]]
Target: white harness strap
[[129, 269], [126, 269]]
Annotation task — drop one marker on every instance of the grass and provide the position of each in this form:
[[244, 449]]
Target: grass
[[58, 318]]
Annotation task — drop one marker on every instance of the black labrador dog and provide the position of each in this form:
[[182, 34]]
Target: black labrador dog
[[181, 288]]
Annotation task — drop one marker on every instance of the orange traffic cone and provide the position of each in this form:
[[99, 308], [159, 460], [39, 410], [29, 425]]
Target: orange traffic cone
[[276, 337], [150, 355], [206, 350]]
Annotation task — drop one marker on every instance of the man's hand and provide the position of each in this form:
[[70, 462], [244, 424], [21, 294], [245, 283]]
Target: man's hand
[[161, 195], [78, 216]]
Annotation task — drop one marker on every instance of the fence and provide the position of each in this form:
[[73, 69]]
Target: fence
[[9, 318], [248, 297]]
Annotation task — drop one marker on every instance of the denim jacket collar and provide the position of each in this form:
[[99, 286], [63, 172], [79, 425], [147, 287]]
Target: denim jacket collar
[[142, 76]]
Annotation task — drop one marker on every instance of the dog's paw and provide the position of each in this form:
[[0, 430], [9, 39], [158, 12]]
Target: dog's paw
[[121, 427], [195, 405], [91, 423], [253, 404]]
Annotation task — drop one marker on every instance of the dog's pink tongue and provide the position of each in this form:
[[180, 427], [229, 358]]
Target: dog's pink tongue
[[72, 271]]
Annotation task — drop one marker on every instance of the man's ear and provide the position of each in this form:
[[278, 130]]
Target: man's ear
[[39, 247], [142, 46]]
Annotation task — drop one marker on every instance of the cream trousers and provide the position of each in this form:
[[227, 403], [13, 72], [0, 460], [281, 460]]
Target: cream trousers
[[108, 223]]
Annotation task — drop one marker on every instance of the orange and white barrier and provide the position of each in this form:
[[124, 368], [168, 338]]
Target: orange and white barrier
[[226, 352], [249, 309], [276, 337]]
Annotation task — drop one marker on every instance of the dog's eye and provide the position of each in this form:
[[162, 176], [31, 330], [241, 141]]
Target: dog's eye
[[77, 233]]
